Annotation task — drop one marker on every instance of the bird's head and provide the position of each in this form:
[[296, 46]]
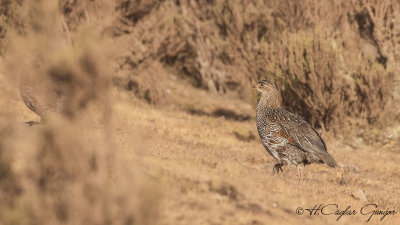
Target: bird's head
[[269, 94], [265, 86]]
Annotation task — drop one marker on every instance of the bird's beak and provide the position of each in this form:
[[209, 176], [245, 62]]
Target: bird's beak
[[255, 86]]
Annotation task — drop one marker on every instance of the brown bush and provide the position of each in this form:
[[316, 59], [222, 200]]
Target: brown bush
[[308, 70], [315, 82], [146, 82], [222, 46], [378, 23], [9, 19], [318, 53]]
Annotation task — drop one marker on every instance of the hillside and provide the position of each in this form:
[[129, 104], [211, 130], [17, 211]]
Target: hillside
[[158, 125]]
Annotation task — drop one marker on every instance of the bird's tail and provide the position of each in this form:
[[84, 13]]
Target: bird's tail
[[328, 159]]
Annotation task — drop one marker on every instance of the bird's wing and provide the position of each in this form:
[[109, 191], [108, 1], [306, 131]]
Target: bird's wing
[[298, 132], [26, 93]]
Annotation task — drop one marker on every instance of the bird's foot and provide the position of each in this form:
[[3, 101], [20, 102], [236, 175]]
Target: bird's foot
[[31, 123], [300, 170], [277, 168]]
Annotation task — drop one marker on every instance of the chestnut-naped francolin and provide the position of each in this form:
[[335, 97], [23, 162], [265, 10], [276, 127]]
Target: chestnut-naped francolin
[[286, 136]]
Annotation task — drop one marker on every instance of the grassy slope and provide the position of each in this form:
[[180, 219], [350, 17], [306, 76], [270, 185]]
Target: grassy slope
[[210, 176], [207, 175]]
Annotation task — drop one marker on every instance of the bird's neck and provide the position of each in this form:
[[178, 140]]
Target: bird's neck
[[269, 100]]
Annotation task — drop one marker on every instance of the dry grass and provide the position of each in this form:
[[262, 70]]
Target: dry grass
[[189, 153], [213, 177]]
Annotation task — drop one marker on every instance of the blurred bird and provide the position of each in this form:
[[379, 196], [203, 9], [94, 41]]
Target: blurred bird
[[41, 100], [286, 136]]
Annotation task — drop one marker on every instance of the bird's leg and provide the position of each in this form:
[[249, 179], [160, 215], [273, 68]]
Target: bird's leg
[[300, 171], [277, 168]]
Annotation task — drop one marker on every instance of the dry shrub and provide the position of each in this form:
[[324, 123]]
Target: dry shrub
[[183, 36], [374, 89], [314, 82], [145, 82], [8, 19], [222, 46], [134, 10], [225, 36], [325, 55], [318, 50], [75, 13], [68, 170], [140, 71], [308, 69], [378, 22], [196, 41]]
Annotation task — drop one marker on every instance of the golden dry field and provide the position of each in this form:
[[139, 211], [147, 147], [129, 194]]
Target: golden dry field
[[157, 116]]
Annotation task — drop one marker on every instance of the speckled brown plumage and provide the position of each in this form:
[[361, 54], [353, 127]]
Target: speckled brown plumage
[[286, 136], [41, 99]]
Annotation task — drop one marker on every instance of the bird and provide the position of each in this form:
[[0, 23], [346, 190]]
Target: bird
[[287, 137], [41, 99]]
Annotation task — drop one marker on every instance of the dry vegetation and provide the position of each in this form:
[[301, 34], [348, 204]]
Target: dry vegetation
[[155, 121]]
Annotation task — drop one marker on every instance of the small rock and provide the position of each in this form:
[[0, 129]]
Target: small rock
[[274, 205]]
